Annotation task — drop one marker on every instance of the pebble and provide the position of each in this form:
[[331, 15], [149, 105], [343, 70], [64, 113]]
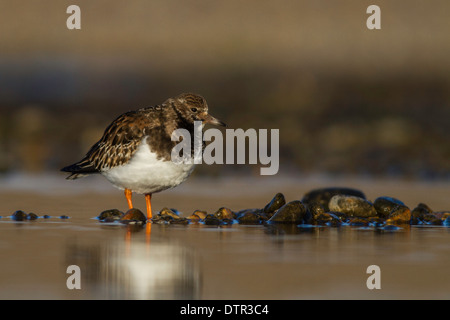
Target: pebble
[[171, 216], [197, 215], [432, 219], [352, 206], [399, 215], [133, 215], [418, 213], [211, 220], [385, 205], [446, 222], [327, 219], [251, 216], [292, 212], [357, 221], [315, 209], [19, 215], [32, 216], [111, 214], [224, 214], [276, 203], [324, 195]]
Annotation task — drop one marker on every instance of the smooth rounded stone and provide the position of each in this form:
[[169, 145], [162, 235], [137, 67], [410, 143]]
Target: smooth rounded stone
[[376, 221], [276, 203], [133, 215], [19, 215], [446, 222], [442, 214], [324, 195], [292, 212], [418, 213], [432, 219], [399, 215], [224, 214], [32, 216], [315, 209], [341, 216], [327, 219], [352, 206], [211, 220], [358, 221], [251, 216], [171, 216], [165, 212], [197, 215], [113, 214], [384, 205], [109, 220]]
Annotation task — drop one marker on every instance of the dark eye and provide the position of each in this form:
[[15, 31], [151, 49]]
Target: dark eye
[[194, 109]]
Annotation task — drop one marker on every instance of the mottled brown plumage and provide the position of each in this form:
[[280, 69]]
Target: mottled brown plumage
[[123, 136]]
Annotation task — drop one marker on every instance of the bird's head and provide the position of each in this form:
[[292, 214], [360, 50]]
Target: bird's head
[[193, 107]]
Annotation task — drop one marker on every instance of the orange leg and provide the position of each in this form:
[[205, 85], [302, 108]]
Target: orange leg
[[148, 201], [128, 194]]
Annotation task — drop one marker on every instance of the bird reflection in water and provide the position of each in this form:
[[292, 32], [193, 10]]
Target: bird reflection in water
[[136, 269]]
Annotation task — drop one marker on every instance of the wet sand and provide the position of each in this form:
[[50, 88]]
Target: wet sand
[[203, 262]]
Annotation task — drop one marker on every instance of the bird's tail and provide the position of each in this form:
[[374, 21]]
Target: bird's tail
[[79, 170]]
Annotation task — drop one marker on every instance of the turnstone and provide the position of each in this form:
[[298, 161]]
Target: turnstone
[[134, 153]]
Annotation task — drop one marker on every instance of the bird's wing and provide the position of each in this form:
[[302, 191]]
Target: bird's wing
[[117, 145], [120, 140]]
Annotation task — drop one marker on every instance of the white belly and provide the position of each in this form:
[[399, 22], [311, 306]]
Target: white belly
[[145, 174]]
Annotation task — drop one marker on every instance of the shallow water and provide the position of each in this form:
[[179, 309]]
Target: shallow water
[[206, 262]]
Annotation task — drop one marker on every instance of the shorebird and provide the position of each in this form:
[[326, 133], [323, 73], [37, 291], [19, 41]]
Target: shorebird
[[134, 153]]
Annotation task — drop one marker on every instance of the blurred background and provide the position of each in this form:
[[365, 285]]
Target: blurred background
[[347, 100]]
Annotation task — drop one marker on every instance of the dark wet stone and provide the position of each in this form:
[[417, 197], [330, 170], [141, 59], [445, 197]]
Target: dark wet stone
[[418, 213], [292, 212], [133, 214], [446, 222], [324, 195], [19, 215], [224, 214], [32, 216], [276, 203], [357, 221], [399, 215], [165, 212], [110, 213], [194, 217], [251, 216], [211, 220], [376, 221], [315, 209], [166, 216], [341, 216], [108, 219], [352, 206], [64, 217], [197, 215], [432, 219], [327, 219], [442, 214], [385, 205]]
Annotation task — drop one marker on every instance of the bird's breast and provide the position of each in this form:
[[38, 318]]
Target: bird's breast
[[147, 172]]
